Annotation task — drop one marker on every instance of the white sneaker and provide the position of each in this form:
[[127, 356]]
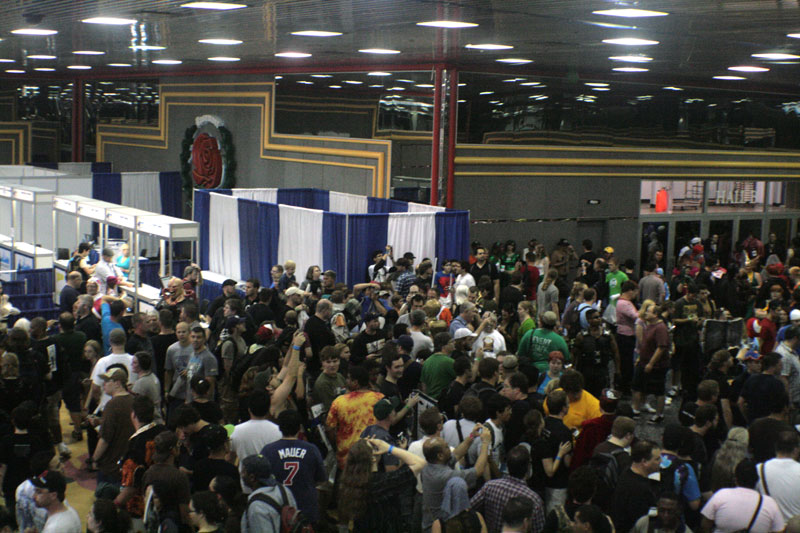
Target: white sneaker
[[63, 449], [646, 407]]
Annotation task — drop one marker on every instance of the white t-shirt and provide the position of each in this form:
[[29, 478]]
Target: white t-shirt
[[498, 342], [421, 342], [450, 433], [250, 437], [464, 279], [66, 521], [783, 483], [732, 510], [102, 366]]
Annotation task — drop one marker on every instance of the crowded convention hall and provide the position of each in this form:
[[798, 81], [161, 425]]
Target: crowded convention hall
[[370, 266]]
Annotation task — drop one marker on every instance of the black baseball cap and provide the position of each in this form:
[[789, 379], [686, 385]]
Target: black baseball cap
[[50, 480], [229, 282]]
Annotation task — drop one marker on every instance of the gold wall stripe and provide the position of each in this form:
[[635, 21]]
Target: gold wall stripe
[[597, 162], [624, 149]]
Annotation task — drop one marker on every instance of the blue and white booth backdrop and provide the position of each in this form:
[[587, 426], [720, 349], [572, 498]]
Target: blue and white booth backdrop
[[157, 192], [77, 168], [241, 237], [338, 202]]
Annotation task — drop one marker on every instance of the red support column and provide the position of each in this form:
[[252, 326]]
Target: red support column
[[452, 132], [77, 120], [436, 140]]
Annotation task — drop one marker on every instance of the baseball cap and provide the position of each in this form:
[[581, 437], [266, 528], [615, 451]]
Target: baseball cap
[[795, 314], [216, 436], [259, 466], [409, 255], [405, 342], [115, 374], [563, 242], [609, 398], [608, 250], [265, 333], [229, 283], [695, 240], [291, 291], [50, 480], [234, 321], [385, 407], [511, 361], [463, 333], [371, 316]]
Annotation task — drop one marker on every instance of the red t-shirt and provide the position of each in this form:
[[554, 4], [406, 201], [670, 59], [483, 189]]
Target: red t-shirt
[[769, 331], [655, 336], [531, 274]]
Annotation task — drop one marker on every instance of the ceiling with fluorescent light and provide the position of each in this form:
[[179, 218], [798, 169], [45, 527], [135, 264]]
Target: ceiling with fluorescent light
[[698, 39]]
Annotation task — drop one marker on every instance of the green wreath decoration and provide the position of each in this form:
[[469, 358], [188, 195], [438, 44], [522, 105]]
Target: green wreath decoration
[[228, 157]]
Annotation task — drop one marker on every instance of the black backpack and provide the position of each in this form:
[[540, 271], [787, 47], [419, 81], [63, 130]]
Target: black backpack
[[74, 265], [292, 519], [606, 466]]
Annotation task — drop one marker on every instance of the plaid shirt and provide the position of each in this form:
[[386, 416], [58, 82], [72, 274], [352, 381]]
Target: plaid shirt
[[404, 282], [492, 499]]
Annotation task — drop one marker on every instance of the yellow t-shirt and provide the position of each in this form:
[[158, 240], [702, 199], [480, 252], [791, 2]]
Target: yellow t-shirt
[[586, 408], [351, 413]]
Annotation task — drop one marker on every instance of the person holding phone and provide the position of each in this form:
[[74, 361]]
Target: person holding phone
[[555, 449]]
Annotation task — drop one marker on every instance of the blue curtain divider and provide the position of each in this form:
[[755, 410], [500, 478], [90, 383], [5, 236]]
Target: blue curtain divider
[[334, 243], [452, 235], [259, 230], [107, 187], [386, 205], [38, 281], [171, 194], [201, 216], [366, 233], [322, 199]]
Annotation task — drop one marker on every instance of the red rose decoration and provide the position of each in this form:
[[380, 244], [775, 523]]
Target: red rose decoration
[[206, 162]]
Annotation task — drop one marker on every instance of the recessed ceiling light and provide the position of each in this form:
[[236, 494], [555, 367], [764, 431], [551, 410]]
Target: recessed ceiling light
[[425, 85], [167, 61], [596, 84], [335, 86], [447, 24], [792, 35], [462, 84], [45, 69], [316, 33], [776, 56], [79, 67], [748, 68], [531, 83], [278, 77], [511, 80], [33, 31], [41, 56], [378, 73], [321, 76], [671, 88], [146, 47], [514, 61], [631, 59], [486, 92], [354, 82], [396, 89], [630, 69], [304, 82], [292, 54], [402, 80], [223, 58], [220, 41], [600, 89], [119, 65], [116, 21], [7, 61], [220, 6], [729, 78], [630, 41], [14, 71], [384, 51], [88, 53], [489, 46], [376, 85], [630, 13]]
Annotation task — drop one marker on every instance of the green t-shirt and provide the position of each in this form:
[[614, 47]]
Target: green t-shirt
[[527, 325], [437, 373], [615, 281], [327, 388], [537, 344]]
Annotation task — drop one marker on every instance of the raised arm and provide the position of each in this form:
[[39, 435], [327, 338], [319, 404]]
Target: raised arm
[[414, 462]]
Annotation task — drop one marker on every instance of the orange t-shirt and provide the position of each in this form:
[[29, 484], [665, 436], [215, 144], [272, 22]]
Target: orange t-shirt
[[351, 413]]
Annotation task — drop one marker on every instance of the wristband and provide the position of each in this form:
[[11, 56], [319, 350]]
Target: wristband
[[297, 348], [391, 447], [558, 458]]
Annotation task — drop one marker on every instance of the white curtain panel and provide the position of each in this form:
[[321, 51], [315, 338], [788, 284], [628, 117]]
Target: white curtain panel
[[259, 195], [300, 238], [223, 236], [142, 190], [414, 207], [412, 232], [349, 204]]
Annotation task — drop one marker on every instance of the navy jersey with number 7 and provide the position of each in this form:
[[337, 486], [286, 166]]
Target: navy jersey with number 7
[[298, 465]]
